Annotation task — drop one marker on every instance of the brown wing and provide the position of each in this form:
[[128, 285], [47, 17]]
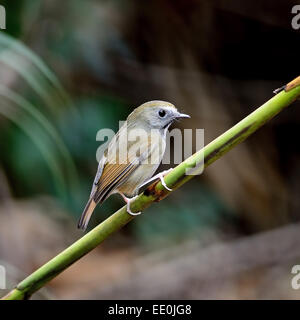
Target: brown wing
[[112, 176], [115, 172]]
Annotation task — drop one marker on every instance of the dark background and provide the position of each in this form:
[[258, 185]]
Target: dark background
[[81, 66]]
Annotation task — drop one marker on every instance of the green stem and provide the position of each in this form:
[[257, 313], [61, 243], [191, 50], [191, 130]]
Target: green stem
[[155, 192]]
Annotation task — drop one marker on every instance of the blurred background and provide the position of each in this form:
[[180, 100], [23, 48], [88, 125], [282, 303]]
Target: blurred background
[[70, 68]]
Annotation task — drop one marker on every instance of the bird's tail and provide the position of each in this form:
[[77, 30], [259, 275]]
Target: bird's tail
[[86, 214]]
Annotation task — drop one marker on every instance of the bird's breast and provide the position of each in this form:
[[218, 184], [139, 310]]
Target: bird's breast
[[153, 152]]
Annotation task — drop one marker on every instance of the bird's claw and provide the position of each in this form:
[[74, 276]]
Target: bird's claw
[[128, 207], [162, 180], [159, 176]]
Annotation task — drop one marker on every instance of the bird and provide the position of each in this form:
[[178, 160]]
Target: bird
[[132, 156]]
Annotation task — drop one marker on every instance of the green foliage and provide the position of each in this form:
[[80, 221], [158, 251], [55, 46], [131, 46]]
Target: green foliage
[[53, 138]]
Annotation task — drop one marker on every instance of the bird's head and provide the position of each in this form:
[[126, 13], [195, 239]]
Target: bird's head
[[155, 115]]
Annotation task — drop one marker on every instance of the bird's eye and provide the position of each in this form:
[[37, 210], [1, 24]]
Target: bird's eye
[[162, 113]]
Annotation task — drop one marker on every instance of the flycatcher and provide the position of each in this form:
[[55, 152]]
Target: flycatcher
[[132, 156]]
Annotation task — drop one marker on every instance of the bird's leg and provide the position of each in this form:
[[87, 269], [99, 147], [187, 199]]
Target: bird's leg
[[128, 201], [159, 176]]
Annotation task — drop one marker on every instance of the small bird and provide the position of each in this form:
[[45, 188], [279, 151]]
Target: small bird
[[132, 156]]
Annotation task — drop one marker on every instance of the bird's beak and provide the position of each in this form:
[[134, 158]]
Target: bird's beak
[[182, 115]]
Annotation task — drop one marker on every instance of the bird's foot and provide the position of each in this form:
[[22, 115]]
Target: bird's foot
[[161, 177], [128, 202], [128, 207]]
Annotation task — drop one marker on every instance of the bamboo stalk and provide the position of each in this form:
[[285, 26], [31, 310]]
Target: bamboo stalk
[[156, 192]]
